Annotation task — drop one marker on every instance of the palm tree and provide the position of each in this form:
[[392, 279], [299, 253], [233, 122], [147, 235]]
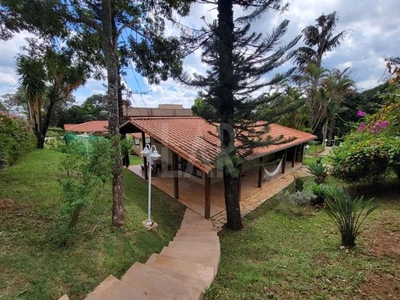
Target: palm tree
[[33, 83], [319, 39], [311, 81], [48, 78], [292, 100], [337, 86]]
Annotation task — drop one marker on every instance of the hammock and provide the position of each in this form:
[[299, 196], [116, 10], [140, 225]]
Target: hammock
[[268, 175]]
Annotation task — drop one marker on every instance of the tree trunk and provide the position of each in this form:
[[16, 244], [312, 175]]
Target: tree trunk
[[37, 118], [324, 131], [224, 92], [45, 126], [331, 128], [231, 189], [120, 102], [109, 45]]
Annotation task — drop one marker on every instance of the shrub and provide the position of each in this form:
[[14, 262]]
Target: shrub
[[301, 198], [299, 183], [319, 170], [322, 192], [348, 215], [16, 139], [372, 150], [85, 177]]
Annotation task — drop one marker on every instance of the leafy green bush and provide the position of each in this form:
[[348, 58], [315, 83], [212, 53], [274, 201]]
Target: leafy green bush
[[319, 170], [372, 151], [85, 176], [299, 183], [322, 192], [348, 215], [16, 139]]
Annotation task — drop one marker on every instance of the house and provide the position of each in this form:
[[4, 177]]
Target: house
[[189, 147], [163, 110], [91, 126]]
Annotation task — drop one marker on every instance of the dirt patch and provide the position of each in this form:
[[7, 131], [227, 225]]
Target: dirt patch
[[6, 203], [387, 242], [383, 284]]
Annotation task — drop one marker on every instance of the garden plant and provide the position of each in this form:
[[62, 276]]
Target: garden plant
[[349, 214], [372, 150]]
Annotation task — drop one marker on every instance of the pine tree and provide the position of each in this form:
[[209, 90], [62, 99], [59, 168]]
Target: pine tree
[[238, 60]]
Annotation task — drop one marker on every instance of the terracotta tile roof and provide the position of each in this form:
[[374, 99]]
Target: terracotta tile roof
[[88, 126], [192, 138], [137, 135]]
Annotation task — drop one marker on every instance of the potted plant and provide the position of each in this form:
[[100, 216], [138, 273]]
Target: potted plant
[[299, 183]]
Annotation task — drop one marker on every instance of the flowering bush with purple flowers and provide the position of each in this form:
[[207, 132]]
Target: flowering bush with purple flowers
[[361, 113], [372, 150]]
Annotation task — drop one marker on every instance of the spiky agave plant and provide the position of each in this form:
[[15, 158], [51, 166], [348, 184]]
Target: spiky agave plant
[[349, 214]]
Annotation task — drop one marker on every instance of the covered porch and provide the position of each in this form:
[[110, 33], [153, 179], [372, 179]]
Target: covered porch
[[192, 193], [190, 146]]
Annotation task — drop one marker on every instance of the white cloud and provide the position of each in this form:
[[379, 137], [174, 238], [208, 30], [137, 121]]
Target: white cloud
[[9, 50], [373, 32], [91, 87]]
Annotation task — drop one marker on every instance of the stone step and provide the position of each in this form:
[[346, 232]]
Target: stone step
[[156, 284], [204, 227], [191, 273], [64, 297], [194, 232], [197, 239], [205, 257], [211, 246], [112, 288]]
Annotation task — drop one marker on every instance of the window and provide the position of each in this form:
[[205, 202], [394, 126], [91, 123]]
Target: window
[[137, 141], [147, 140], [187, 167]]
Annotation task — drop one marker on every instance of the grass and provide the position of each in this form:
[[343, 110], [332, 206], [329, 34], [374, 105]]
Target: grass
[[135, 160], [315, 149], [32, 266], [294, 253]]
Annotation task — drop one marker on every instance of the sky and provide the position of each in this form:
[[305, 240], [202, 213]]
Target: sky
[[373, 32]]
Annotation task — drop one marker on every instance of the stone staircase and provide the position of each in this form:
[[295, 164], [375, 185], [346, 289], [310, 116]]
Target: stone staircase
[[181, 271]]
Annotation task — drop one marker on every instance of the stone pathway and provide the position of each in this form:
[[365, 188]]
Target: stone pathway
[[269, 189], [181, 271]]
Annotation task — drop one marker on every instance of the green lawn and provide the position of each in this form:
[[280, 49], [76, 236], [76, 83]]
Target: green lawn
[[32, 266], [294, 253], [135, 160]]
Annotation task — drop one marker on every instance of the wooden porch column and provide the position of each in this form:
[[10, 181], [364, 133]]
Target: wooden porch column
[[207, 196], [144, 158], [284, 162], [260, 173], [301, 152], [175, 172], [294, 156]]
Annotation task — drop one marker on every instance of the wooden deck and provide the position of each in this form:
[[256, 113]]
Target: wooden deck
[[191, 194]]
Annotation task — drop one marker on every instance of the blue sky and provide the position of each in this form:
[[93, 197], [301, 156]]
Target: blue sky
[[373, 33]]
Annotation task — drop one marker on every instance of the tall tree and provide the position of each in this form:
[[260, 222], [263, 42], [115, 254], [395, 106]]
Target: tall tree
[[319, 39], [47, 74], [337, 86], [238, 60], [105, 22], [290, 97], [393, 68], [311, 81]]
